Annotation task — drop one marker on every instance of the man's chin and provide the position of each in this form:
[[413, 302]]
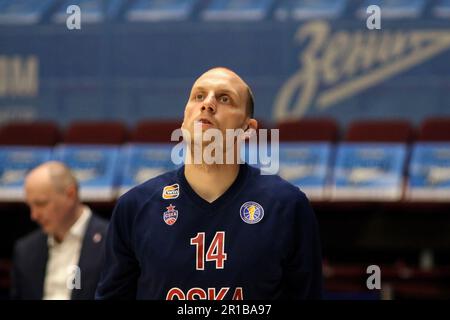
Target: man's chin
[[47, 229]]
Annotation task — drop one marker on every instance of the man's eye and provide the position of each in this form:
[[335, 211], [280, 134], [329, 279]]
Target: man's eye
[[224, 99], [199, 96], [41, 204]]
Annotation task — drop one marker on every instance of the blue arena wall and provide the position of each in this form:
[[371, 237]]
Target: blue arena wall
[[135, 71]]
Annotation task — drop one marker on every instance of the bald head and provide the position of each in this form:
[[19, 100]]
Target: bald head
[[51, 192], [224, 70], [244, 86], [53, 174]]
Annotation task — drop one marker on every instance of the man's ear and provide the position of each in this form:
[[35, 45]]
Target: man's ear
[[71, 191], [252, 124], [250, 129]]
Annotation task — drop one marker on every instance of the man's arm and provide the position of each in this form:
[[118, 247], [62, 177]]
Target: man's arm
[[303, 268], [120, 273], [15, 292]]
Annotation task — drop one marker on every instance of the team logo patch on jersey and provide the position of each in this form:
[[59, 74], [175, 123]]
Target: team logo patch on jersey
[[251, 212], [171, 215], [171, 192]]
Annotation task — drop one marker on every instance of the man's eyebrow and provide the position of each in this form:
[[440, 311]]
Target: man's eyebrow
[[228, 92], [194, 89], [200, 88], [39, 202]]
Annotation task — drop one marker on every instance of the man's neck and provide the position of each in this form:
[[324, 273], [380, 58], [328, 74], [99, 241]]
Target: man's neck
[[211, 181], [78, 211]]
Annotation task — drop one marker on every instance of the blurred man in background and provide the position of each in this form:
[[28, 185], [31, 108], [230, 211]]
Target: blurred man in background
[[62, 260]]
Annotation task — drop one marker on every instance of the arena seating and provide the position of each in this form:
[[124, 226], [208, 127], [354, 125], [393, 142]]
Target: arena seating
[[29, 134], [95, 150], [152, 131], [305, 144], [31, 12], [96, 132], [395, 131], [435, 130], [309, 129]]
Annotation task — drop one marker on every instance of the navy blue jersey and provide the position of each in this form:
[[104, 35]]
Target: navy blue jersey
[[259, 240]]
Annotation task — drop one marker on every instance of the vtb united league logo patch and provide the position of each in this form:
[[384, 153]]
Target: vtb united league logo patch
[[251, 212], [171, 192], [171, 215]]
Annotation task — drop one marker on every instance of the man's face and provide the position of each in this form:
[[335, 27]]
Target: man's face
[[217, 100], [48, 207]]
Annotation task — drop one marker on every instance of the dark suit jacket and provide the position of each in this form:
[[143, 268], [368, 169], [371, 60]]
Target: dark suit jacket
[[30, 262]]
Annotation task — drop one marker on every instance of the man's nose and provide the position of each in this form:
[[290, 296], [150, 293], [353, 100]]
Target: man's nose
[[209, 104], [34, 214]]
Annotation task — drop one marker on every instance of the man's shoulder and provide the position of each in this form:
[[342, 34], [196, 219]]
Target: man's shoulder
[[291, 202], [149, 188], [274, 185], [98, 222], [31, 240]]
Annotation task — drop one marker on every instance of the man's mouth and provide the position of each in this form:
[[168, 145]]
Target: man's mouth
[[203, 121]]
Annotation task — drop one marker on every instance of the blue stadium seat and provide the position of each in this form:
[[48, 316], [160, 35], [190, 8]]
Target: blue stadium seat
[[307, 166], [306, 150], [159, 10], [149, 153], [221, 10], [92, 11], [91, 149], [310, 9], [369, 172], [96, 168], [394, 9], [429, 172], [23, 12], [442, 9], [144, 161], [429, 168], [15, 162], [370, 163]]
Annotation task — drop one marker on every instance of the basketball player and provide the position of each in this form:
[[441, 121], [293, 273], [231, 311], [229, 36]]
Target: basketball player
[[213, 231]]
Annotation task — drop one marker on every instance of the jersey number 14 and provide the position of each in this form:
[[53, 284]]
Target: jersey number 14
[[216, 250]]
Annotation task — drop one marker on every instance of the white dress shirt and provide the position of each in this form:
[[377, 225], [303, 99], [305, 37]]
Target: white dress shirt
[[62, 259]]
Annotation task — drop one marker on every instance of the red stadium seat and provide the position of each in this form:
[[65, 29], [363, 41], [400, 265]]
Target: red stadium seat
[[96, 132], [309, 129], [153, 131], [30, 134], [380, 131], [435, 129], [266, 126]]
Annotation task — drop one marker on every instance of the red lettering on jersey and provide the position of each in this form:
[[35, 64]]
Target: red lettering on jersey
[[216, 251], [220, 295], [175, 293], [238, 294], [199, 242], [200, 293]]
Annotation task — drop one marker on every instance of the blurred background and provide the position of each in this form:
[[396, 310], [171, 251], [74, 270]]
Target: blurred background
[[364, 115]]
